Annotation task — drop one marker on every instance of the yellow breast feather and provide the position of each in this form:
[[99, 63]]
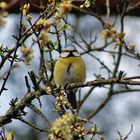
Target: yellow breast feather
[[71, 69]]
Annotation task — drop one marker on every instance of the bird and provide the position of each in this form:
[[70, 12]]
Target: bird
[[69, 68]]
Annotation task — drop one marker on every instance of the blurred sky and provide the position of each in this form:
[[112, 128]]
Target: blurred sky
[[119, 113]]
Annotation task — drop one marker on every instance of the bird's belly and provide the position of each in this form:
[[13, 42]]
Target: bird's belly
[[68, 75]]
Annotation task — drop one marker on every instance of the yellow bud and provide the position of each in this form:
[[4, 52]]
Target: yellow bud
[[29, 17], [101, 138], [65, 102], [28, 54], [83, 133], [106, 33], [61, 97], [49, 90], [3, 5], [132, 47], [87, 3], [62, 91], [47, 24], [81, 6], [25, 9], [57, 21], [43, 23], [65, 7], [43, 38]]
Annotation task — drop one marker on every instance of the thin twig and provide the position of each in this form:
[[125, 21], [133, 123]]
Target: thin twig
[[31, 124], [89, 13], [44, 118], [107, 9], [13, 58], [119, 49], [93, 113], [27, 84], [84, 98], [126, 137]]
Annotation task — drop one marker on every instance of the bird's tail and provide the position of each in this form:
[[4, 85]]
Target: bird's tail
[[72, 99]]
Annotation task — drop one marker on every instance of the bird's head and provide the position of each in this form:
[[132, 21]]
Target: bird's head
[[69, 51]]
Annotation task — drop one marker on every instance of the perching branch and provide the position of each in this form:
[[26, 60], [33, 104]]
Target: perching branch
[[13, 112], [102, 82]]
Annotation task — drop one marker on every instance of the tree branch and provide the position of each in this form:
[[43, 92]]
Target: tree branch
[[13, 112]]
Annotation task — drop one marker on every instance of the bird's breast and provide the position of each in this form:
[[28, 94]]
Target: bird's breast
[[70, 69]]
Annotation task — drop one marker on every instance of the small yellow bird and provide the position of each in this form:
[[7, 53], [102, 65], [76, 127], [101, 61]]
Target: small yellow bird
[[70, 68]]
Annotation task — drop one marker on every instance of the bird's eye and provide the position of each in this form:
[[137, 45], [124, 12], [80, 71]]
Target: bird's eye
[[75, 53], [64, 54]]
